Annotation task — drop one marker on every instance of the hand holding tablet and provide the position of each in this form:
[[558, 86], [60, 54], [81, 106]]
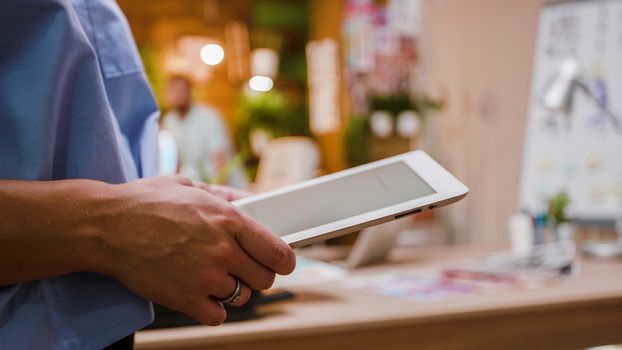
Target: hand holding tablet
[[349, 200]]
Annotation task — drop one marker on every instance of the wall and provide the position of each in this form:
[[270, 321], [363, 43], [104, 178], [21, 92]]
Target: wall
[[478, 55]]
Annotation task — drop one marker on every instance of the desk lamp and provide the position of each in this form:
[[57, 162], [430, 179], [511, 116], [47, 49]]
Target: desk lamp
[[559, 94]]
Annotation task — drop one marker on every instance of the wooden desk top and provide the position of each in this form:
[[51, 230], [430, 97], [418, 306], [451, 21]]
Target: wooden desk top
[[585, 311]]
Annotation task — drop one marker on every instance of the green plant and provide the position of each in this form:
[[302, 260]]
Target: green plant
[[224, 174], [153, 72], [356, 141], [391, 103], [424, 104], [401, 102], [557, 206], [273, 112], [357, 132]]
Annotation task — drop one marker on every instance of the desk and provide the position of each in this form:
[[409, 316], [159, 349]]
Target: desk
[[585, 311]]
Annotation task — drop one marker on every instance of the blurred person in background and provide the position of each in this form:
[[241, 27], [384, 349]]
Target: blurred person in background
[[203, 144]]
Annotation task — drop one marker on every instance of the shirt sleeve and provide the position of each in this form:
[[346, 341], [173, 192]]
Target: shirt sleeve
[[57, 122], [55, 115]]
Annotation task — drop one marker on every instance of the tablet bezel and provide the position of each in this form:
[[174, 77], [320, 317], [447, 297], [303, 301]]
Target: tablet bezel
[[448, 190]]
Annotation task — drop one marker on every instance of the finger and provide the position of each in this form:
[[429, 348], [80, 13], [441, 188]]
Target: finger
[[229, 193], [252, 273], [209, 312], [202, 185], [262, 245], [245, 297], [228, 288], [224, 192], [182, 180]]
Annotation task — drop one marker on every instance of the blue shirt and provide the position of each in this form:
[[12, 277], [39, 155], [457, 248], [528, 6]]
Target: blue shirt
[[74, 103]]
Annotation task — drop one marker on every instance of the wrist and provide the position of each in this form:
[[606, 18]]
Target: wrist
[[51, 228], [94, 227]]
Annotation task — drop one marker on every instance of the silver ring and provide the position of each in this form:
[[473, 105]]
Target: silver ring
[[235, 296]]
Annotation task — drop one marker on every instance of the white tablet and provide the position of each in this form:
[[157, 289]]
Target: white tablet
[[349, 200]]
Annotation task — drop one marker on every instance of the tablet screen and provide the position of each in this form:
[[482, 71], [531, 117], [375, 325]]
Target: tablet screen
[[339, 199]]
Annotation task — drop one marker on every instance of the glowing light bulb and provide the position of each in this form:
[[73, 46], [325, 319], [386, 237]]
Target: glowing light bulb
[[212, 54], [260, 83]]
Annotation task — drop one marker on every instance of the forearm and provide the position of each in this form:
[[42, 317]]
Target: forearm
[[166, 239], [50, 228]]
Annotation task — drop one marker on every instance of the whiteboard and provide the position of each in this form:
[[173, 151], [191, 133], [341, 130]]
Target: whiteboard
[[579, 152]]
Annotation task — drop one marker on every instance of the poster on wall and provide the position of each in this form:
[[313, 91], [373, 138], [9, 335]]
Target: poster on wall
[[324, 82], [578, 150]]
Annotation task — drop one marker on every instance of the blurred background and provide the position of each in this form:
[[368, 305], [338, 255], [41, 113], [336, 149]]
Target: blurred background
[[291, 89]]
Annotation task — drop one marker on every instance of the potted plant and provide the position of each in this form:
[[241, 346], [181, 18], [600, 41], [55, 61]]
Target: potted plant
[[557, 217]]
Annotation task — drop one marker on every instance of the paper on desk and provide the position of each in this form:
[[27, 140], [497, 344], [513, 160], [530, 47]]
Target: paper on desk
[[410, 287], [494, 273], [551, 260], [441, 284]]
